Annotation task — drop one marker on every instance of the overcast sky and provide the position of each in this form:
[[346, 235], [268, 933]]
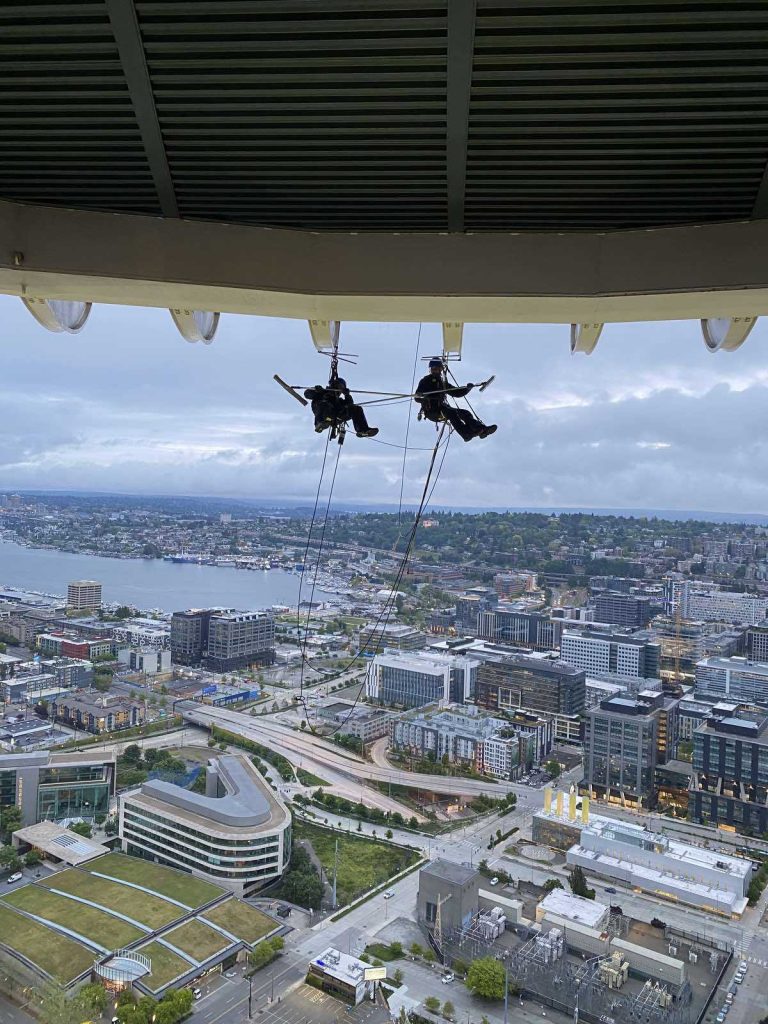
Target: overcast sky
[[650, 420]]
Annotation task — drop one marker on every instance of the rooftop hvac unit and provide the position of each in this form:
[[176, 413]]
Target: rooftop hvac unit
[[673, 950]]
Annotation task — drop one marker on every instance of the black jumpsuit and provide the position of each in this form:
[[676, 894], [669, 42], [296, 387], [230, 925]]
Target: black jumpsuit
[[334, 406], [432, 392]]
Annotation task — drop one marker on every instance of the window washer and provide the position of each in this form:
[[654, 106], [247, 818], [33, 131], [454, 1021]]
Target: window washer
[[432, 394], [333, 406]]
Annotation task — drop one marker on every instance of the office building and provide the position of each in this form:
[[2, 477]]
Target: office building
[[344, 976], [538, 683], [239, 640], [222, 640], [625, 739], [106, 714], [735, 679], [610, 654], [597, 690], [712, 605], [84, 595], [412, 680], [57, 786], [729, 786], [532, 630], [189, 635], [459, 735], [616, 584], [8, 665], [376, 637], [622, 609], [143, 633], [514, 584], [756, 643], [238, 833], [149, 661]]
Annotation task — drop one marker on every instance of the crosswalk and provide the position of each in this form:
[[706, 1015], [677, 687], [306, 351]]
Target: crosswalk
[[754, 960]]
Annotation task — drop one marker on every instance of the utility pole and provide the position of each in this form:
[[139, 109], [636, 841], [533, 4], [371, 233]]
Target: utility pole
[[335, 873]]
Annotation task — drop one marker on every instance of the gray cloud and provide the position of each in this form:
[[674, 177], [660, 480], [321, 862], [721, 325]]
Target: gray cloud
[[650, 420]]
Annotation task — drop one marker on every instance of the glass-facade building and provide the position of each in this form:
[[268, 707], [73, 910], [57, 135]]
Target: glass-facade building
[[57, 786], [621, 751], [729, 786]]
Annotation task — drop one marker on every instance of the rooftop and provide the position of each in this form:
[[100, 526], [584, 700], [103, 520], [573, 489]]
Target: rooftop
[[575, 908], [340, 965], [460, 874], [61, 843]]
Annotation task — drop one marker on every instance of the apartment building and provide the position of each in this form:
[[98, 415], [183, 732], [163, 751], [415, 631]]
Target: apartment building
[[107, 714], [419, 678], [713, 605], [459, 735], [240, 639]]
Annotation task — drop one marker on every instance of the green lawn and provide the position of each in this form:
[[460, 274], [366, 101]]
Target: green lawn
[[197, 939], [61, 957], [166, 965], [178, 885], [239, 919], [109, 932], [363, 863], [149, 910]]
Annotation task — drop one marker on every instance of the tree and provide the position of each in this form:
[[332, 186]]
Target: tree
[[448, 1009], [553, 767], [485, 978], [552, 883], [578, 882], [396, 950], [389, 833], [9, 858], [10, 819], [32, 859], [93, 999], [82, 828], [416, 949], [432, 1003], [397, 977], [429, 956]]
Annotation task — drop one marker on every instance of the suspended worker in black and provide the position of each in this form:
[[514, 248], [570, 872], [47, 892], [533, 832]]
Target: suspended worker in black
[[432, 394], [334, 406]]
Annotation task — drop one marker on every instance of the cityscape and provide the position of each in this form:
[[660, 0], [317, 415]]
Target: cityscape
[[384, 512], [528, 772]]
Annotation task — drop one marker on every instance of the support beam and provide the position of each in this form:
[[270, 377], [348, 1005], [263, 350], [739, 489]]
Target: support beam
[[461, 48], [125, 26], [702, 272]]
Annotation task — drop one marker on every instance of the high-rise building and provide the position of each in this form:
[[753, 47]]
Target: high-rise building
[[189, 635], [240, 639], [524, 629], [756, 643], [57, 786], [625, 739], [729, 786], [375, 637], [611, 654], [733, 678], [414, 679], [84, 595], [622, 609], [509, 681]]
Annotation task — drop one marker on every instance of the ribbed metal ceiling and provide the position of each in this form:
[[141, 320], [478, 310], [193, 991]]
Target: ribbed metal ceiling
[[390, 114]]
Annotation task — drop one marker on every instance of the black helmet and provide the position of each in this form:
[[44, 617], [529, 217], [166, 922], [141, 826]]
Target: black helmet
[[341, 384], [436, 362]]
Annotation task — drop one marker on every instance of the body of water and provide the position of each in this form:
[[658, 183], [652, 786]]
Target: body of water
[[150, 583]]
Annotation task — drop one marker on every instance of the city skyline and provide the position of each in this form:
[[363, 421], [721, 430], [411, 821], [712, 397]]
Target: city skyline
[[650, 421]]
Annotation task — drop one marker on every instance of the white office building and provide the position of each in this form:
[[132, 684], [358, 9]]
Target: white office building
[[734, 678], [610, 654], [414, 679], [237, 834], [713, 605]]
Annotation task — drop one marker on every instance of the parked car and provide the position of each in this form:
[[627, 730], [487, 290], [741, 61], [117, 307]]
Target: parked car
[[494, 880], [447, 978], [743, 967], [720, 1018], [15, 877], [388, 894], [609, 888], [197, 993]]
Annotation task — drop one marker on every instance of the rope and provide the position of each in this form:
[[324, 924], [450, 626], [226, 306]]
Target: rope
[[390, 602], [407, 432]]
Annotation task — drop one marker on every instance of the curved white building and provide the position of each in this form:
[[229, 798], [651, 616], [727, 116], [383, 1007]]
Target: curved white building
[[238, 834]]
